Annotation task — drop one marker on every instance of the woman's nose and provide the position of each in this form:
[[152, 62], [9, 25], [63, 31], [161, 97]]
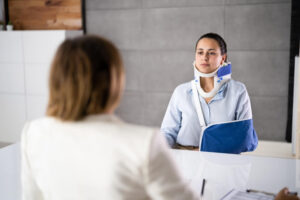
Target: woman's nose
[[205, 56]]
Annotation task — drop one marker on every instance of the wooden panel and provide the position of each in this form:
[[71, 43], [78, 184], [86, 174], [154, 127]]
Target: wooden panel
[[45, 14]]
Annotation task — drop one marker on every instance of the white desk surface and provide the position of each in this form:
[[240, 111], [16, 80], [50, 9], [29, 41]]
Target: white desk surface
[[225, 171], [10, 186], [222, 171]]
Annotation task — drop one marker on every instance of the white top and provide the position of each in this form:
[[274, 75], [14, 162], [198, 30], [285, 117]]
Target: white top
[[99, 157]]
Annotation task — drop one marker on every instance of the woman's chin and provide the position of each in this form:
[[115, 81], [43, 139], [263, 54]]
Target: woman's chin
[[206, 71]]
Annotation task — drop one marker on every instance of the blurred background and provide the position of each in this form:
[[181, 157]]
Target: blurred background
[[157, 40]]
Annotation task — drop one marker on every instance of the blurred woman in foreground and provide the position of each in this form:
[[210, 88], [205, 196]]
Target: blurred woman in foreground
[[81, 150]]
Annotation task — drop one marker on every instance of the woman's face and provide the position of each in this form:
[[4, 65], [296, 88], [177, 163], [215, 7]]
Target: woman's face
[[208, 55]]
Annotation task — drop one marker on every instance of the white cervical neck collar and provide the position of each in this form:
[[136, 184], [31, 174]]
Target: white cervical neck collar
[[218, 80]]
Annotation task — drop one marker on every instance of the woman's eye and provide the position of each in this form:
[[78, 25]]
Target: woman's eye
[[200, 53]]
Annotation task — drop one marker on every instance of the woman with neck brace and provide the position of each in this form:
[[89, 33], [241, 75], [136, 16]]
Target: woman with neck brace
[[221, 98]]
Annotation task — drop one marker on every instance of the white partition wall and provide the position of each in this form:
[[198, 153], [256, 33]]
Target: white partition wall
[[25, 58]]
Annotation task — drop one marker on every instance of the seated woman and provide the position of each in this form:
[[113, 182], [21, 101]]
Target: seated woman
[[81, 150], [198, 109]]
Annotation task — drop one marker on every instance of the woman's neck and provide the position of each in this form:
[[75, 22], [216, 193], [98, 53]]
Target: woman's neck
[[207, 83]]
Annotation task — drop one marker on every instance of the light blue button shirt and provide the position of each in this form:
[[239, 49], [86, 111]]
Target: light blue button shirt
[[181, 124]]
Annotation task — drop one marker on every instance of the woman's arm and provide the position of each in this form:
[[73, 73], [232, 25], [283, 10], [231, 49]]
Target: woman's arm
[[243, 109], [172, 120], [163, 179], [30, 190]]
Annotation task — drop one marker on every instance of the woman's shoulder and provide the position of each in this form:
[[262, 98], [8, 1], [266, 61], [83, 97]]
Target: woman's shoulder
[[34, 131], [236, 86], [183, 88], [45, 122]]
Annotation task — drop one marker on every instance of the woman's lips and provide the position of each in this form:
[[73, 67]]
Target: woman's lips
[[204, 64]]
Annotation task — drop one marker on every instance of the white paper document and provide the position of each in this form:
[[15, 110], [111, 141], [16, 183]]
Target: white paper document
[[243, 195]]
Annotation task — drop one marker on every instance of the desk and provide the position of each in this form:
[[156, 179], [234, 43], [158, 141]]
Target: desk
[[10, 186], [262, 173], [225, 171]]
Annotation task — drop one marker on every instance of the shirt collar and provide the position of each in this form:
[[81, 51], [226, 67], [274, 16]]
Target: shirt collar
[[221, 93]]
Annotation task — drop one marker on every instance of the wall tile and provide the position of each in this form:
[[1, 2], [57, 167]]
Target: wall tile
[[131, 109], [12, 78], [123, 27], [36, 78], [265, 73], [179, 28], [155, 107], [270, 117], [12, 117], [73, 33], [257, 27], [133, 69], [180, 3], [11, 47], [238, 2], [36, 106], [40, 46], [112, 4], [164, 70]]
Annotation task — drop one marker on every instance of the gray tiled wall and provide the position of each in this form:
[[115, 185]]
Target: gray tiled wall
[[258, 26], [157, 39]]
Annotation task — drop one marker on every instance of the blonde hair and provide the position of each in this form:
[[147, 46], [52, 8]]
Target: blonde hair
[[86, 78]]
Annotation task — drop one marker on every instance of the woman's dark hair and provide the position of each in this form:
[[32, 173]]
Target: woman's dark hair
[[86, 78], [217, 38]]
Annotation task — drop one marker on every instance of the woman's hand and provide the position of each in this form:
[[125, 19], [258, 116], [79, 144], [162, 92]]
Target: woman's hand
[[285, 195]]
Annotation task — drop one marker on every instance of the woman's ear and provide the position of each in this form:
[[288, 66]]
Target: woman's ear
[[224, 57]]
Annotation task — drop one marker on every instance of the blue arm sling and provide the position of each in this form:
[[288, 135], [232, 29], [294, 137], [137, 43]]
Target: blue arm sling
[[232, 137]]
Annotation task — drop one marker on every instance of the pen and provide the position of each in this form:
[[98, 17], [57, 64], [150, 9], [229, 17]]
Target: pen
[[263, 192], [203, 186]]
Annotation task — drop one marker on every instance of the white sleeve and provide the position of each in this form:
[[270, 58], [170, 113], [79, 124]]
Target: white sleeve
[[30, 190], [244, 110], [163, 179], [172, 120]]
